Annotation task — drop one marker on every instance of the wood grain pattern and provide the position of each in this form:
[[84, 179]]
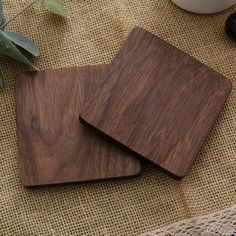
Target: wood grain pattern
[[158, 102], [53, 146]]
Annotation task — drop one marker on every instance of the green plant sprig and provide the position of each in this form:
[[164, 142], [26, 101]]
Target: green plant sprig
[[10, 41]]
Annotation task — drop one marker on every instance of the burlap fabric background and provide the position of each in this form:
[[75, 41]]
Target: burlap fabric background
[[93, 35]]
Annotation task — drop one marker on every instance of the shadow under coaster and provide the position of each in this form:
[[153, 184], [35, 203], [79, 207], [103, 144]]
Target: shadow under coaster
[[157, 101], [53, 146]]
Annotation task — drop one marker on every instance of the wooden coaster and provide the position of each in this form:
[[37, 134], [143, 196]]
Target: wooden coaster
[[53, 146], [158, 102]]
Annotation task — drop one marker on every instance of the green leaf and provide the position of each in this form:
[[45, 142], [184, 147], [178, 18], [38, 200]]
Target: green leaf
[[22, 41], [54, 6], [9, 49], [1, 80], [2, 20]]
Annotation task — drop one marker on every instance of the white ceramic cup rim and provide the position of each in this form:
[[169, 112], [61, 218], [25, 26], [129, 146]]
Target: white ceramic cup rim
[[204, 6]]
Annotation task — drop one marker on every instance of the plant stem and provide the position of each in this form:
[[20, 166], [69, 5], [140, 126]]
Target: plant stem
[[19, 13]]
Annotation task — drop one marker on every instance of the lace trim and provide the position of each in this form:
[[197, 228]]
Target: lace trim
[[219, 223]]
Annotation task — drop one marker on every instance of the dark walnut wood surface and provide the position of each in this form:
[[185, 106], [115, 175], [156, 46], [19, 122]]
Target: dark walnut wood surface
[[158, 102], [53, 146]]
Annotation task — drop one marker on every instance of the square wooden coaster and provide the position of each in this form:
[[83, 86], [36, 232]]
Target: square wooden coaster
[[158, 102], [53, 146]]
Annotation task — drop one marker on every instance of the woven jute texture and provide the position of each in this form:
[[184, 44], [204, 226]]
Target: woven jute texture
[[92, 35]]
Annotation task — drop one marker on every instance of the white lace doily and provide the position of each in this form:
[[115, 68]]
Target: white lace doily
[[221, 223]]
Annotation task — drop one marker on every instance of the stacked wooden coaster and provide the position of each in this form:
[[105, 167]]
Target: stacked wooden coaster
[[153, 102]]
